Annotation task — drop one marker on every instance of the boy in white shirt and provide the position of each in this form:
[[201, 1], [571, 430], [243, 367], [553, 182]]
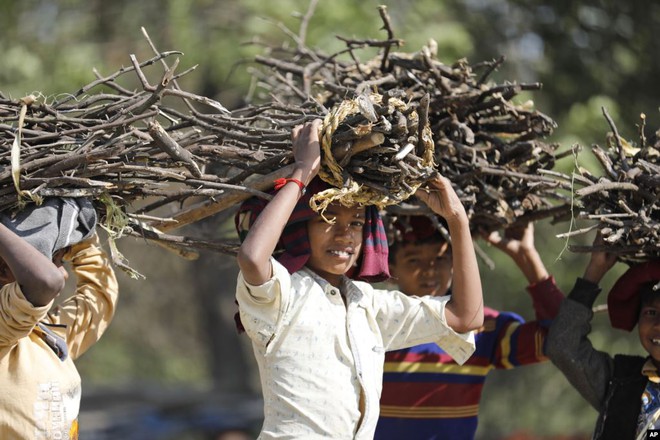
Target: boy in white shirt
[[320, 337]]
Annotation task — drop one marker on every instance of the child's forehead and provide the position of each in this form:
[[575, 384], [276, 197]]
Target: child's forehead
[[412, 247], [339, 209]]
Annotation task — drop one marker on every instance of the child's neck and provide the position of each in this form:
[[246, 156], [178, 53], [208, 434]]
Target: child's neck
[[333, 279]]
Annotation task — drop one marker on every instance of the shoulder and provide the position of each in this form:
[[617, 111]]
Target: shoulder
[[381, 299], [502, 316], [490, 313], [365, 294]]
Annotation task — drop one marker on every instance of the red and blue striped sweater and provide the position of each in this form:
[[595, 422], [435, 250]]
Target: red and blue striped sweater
[[426, 395]]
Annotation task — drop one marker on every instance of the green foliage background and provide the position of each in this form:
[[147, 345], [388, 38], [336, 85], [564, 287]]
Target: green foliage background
[[175, 328]]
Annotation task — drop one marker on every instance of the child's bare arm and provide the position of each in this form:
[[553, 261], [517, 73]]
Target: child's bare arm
[[518, 243], [40, 279], [259, 245], [464, 312]]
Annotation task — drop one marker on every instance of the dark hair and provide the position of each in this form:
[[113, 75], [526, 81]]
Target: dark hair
[[649, 292], [395, 246], [414, 230]]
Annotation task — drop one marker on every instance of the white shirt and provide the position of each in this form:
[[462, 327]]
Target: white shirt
[[317, 356]]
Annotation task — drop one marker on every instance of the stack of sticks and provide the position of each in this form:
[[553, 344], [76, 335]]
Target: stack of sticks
[[622, 202], [156, 157], [152, 157], [489, 146]]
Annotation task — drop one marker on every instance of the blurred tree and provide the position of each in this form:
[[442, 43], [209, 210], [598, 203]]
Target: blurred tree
[[578, 50]]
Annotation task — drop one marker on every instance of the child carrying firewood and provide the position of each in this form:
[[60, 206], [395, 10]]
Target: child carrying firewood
[[624, 389], [426, 394], [41, 387], [319, 335]]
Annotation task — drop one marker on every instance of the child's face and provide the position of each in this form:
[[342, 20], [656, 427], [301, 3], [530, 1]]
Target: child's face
[[335, 247], [422, 269], [649, 328]]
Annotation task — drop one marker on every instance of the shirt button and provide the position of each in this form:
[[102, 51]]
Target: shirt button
[[333, 292]]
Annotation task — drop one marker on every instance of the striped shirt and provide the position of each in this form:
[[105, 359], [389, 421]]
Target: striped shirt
[[426, 395]]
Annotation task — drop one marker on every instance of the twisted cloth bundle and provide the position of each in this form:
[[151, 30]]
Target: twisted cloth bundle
[[386, 160]]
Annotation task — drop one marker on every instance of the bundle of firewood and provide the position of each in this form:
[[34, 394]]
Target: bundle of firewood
[[622, 202], [156, 157], [152, 157], [488, 145]]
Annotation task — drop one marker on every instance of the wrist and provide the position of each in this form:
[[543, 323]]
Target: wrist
[[457, 218], [541, 284], [304, 174], [585, 292], [593, 275], [283, 181]]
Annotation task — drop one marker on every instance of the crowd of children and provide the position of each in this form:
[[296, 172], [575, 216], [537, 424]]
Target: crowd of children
[[329, 345], [338, 356]]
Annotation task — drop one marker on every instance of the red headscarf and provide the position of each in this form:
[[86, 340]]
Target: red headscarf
[[623, 301]]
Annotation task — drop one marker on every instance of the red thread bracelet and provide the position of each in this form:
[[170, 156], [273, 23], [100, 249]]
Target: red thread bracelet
[[279, 183]]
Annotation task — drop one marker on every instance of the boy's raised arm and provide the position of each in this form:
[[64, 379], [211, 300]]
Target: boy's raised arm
[[568, 345], [40, 280], [465, 310], [255, 252], [518, 243]]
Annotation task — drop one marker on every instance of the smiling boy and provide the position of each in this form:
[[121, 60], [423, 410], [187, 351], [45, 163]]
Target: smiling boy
[[624, 389], [318, 333], [426, 395]]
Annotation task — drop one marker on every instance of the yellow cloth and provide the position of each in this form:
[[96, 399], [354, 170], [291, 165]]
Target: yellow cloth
[[40, 395]]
